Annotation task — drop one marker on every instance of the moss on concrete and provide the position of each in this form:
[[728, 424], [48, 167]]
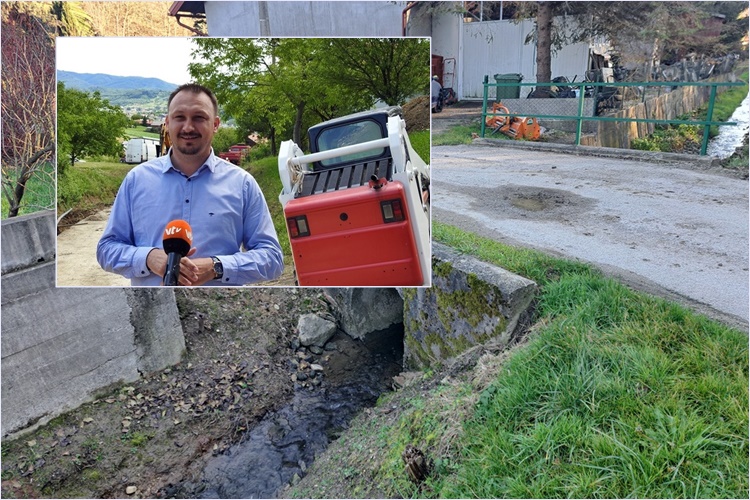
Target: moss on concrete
[[475, 302]]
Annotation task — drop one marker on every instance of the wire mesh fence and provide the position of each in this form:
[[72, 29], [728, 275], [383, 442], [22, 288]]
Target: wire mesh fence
[[613, 112]]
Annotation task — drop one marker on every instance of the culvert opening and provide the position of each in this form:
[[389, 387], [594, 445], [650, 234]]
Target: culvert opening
[[285, 443]]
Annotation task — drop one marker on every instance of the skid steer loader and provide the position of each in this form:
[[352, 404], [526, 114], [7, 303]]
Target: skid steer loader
[[357, 207]]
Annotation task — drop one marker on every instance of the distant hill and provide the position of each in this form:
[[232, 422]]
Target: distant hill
[[99, 81], [134, 94]]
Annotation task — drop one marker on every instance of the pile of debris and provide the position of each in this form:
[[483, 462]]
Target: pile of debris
[[417, 114]]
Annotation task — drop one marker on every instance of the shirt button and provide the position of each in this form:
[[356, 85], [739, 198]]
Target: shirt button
[[187, 201]]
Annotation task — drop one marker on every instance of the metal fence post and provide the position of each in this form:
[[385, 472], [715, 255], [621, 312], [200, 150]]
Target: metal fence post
[[484, 102], [579, 126], [709, 118]]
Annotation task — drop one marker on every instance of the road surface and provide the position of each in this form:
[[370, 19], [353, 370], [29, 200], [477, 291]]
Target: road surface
[[670, 229]]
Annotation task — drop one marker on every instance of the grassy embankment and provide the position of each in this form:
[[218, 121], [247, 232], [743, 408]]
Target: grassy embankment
[[140, 131], [615, 394]]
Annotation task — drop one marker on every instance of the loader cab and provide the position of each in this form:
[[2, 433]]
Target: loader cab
[[352, 129]]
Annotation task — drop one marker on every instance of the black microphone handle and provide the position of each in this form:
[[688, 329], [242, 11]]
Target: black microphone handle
[[172, 274]]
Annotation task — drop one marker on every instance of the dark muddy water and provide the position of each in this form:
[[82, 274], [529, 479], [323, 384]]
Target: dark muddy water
[[286, 442]]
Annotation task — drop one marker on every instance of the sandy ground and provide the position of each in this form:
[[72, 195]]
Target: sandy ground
[[76, 255]]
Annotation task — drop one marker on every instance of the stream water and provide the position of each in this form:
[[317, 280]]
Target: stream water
[[287, 441], [730, 137]]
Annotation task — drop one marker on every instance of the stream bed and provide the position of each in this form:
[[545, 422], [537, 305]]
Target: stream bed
[[730, 136], [287, 441]]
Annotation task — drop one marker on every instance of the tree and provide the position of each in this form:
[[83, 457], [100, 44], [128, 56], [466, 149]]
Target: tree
[[670, 28], [28, 103], [390, 69], [87, 125], [72, 19], [279, 86], [224, 138], [562, 23]]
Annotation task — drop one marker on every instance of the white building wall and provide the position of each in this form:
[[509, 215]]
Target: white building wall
[[318, 19], [446, 37], [497, 47]]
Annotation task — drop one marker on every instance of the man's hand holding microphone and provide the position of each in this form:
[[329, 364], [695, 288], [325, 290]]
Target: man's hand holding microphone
[[173, 263]]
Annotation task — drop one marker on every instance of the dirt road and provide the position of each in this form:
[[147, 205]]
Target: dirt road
[[76, 257], [670, 229]]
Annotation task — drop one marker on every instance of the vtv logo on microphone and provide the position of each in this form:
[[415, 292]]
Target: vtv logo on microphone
[[174, 230]]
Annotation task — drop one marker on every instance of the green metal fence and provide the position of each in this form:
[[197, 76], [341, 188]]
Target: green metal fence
[[602, 92]]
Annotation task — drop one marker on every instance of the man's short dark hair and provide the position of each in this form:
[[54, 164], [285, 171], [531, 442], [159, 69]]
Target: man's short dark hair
[[195, 88]]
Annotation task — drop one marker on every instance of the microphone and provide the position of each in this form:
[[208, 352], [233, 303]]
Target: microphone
[[178, 238]]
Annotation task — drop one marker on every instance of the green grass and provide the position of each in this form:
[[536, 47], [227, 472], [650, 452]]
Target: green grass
[[266, 172], [617, 394], [727, 102], [459, 134], [90, 185], [140, 131], [420, 141], [39, 193]]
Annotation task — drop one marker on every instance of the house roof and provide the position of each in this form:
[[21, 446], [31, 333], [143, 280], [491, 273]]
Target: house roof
[[187, 8]]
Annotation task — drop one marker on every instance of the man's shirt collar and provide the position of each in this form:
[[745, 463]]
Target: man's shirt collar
[[210, 163]]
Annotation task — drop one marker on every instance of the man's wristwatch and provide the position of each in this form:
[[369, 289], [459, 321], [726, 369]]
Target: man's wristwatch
[[218, 268]]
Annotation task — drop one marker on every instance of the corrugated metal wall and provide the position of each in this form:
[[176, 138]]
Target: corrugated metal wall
[[497, 47]]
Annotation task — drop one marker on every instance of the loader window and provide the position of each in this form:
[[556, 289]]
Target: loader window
[[346, 135]]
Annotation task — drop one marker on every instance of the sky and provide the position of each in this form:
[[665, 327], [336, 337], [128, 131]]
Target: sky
[[163, 58]]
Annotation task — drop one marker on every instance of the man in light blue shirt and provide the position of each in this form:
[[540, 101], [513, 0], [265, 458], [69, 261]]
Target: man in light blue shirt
[[234, 240]]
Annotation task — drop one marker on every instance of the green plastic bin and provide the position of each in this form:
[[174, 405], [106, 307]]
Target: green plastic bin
[[508, 92]]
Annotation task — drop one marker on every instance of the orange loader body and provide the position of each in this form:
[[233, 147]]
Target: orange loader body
[[517, 127]]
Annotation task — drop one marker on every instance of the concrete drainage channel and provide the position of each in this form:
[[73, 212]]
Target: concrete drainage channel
[[388, 330]]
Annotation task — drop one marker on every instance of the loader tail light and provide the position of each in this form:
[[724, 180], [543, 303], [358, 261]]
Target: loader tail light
[[392, 211], [298, 226]]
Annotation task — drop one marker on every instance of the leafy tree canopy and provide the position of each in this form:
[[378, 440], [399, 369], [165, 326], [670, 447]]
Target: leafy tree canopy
[[87, 125], [284, 85]]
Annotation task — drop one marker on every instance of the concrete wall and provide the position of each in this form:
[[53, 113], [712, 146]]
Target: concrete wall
[[360, 311], [471, 302], [60, 346], [347, 18]]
